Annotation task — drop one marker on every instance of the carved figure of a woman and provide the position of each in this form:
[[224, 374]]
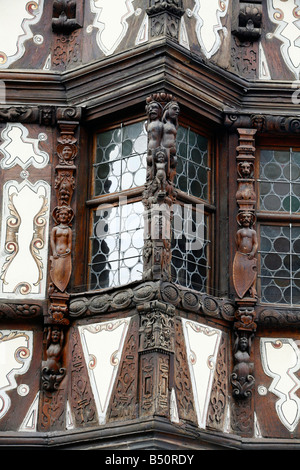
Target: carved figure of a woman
[[61, 244]]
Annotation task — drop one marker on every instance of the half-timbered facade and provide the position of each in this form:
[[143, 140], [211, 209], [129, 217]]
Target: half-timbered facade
[[150, 224]]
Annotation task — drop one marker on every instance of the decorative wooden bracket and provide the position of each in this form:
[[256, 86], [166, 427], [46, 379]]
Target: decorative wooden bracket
[[67, 16], [247, 19]]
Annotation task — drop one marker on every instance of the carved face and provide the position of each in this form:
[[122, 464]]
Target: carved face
[[154, 111], [174, 111], [67, 152], [55, 335], [246, 219], [64, 215]]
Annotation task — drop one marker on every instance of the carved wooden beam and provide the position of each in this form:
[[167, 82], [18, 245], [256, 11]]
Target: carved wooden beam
[[247, 19], [272, 124]]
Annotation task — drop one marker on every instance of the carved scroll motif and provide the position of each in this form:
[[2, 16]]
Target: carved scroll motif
[[159, 193]]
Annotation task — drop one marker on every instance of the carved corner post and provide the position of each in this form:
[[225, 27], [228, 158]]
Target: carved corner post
[[56, 323], [159, 193], [165, 18], [244, 280], [156, 357], [246, 31]]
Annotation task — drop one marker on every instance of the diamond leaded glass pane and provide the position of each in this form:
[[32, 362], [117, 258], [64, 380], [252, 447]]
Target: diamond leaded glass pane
[[280, 264], [279, 181], [116, 245], [120, 159]]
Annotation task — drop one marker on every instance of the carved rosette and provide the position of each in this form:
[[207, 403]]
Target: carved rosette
[[156, 356], [159, 193]]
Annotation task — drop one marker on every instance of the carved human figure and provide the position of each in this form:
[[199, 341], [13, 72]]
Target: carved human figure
[[244, 265], [61, 244], [170, 121], [242, 378], [54, 348]]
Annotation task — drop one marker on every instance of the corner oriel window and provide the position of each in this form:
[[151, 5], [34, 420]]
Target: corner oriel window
[[116, 220], [279, 204]]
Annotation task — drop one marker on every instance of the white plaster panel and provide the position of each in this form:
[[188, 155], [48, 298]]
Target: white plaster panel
[[15, 358], [18, 149], [281, 360], [111, 22], [208, 14], [202, 346], [286, 15], [102, 346], [16, 19], [24, 239]]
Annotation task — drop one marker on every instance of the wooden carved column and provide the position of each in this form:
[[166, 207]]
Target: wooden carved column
[[156, 356], [53, 370], [159, 194], [244, 280]]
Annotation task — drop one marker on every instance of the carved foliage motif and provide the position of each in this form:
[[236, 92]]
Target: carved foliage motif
[[218, 397]]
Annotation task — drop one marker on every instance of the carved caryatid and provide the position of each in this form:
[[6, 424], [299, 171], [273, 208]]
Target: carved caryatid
[[159, 194], [245, 262], [61, 244]]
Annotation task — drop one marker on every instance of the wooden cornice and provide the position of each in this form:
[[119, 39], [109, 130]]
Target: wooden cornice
[[124, 80]]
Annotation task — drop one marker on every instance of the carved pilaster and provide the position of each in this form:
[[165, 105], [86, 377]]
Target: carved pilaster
[[159, 193], [165, 18], [244, 280], [57, 320], [156, 353]]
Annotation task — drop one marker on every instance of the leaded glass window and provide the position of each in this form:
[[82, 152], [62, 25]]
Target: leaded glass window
[[190, 247], [280, 263], [279, 180], [279, 207], [192, 171], [120, 162], [116, 245], [116, 240]]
